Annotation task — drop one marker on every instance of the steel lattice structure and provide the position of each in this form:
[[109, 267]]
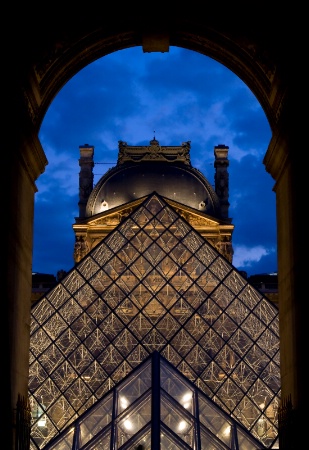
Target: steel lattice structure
[[154, 407], [154, 284]]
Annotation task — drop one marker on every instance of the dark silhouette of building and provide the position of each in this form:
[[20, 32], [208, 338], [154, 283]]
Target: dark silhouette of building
[[267, 283]]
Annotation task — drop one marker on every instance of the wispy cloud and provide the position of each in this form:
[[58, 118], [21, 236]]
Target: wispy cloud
[[180, 96]]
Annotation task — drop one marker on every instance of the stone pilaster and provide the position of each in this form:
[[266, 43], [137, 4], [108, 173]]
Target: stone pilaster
[[85, 176], [222, 178]]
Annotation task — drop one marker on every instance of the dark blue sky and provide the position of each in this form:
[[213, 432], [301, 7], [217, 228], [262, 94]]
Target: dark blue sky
[[180, 96]]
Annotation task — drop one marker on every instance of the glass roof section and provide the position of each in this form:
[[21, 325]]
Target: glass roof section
[[155, 406], [154, 285]]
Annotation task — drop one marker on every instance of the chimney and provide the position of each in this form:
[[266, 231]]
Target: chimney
[[222, 178], [85, 176]]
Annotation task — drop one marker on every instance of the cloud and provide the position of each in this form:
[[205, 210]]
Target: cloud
[[178, 96], [246, 257]]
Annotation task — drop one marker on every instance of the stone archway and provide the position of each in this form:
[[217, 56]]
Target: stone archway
[[49, 54]]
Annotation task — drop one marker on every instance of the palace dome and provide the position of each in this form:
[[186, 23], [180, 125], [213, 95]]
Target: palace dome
[[140, 171]]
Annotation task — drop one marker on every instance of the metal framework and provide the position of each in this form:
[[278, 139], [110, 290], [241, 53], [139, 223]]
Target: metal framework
[[155, 406], [154, 285]]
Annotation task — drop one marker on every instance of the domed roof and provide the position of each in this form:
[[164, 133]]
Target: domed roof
[[142, 170]]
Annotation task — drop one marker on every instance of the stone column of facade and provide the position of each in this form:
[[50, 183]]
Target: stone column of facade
[[85, 176], [85, 188], [222, 178]]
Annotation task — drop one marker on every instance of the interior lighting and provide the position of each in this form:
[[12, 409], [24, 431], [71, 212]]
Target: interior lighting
[[128, 424], [187, 400], [227, 431], [123, 402], [182, 425], [42, 421]]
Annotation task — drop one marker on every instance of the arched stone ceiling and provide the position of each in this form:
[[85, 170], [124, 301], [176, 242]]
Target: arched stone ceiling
[[74, 42]]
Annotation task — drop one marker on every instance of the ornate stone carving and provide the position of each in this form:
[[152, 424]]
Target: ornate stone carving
[[81, 248], [154, 152]]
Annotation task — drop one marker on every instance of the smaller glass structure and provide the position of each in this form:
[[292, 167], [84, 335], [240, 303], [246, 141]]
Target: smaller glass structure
[[155, 407]]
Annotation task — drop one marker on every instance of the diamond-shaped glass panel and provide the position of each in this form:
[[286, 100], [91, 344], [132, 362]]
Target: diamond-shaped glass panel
[[154, 285]]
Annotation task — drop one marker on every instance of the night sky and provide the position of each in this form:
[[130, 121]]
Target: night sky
[[176, 96]]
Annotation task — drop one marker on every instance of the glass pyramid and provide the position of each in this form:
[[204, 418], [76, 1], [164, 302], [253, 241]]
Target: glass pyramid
[[155, 405], [154, 285]]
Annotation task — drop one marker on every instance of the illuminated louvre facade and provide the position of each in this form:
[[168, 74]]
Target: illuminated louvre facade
[[141, 170], [154, 285]]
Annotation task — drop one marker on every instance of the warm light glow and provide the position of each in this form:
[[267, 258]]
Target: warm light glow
[[42, 421], [104, 206], [187, 400], [123, 402], [227, 431], [128, 424], [86, 377], [182, 425]]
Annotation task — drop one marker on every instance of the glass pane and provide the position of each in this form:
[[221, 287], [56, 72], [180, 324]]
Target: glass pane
[[129, 423], [96, 420], [178, 421], [134, 388]]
